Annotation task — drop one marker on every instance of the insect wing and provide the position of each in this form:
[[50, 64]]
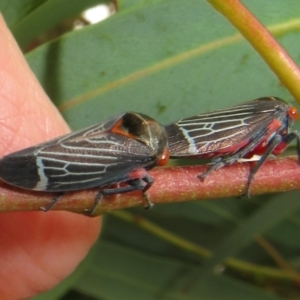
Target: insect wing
[[84, 159], [224, 131]]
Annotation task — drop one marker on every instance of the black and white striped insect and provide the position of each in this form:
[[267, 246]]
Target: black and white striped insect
[[119, 150], [262, 126]]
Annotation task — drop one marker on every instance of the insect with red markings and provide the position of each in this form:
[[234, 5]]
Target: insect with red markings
[[119, 150], [262, 126]]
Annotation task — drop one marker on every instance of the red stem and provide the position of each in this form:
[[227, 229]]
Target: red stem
[[172, 184]]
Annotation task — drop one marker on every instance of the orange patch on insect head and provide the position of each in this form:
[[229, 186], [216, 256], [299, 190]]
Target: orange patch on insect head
[[293, 113], [164, 158], [120, 129]]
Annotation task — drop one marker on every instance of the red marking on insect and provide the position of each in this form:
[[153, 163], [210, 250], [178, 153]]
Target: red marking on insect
[[262, 126], [293, 113], [163, 160], [262, 147], [120, 129]]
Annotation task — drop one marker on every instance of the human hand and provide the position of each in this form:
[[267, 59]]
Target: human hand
[[37, 249]]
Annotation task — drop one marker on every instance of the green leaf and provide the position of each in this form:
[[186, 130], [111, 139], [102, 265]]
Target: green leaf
[[170, 65], [46, 16], [15, 10], [128, 4], [281, 207], [122, 273]]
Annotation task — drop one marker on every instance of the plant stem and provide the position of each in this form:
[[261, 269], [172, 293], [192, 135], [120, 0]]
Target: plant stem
[[263, 42], [172, 184]]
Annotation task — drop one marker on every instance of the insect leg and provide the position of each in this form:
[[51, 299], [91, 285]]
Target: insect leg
[[225, 161], [139, 184], [149, 181], [98, 198], [142, 184], [290, 137], [53, 202], [275, 141]]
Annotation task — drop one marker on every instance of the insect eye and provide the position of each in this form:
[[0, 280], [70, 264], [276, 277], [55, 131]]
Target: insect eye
[[164, 158], [293, 113]]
